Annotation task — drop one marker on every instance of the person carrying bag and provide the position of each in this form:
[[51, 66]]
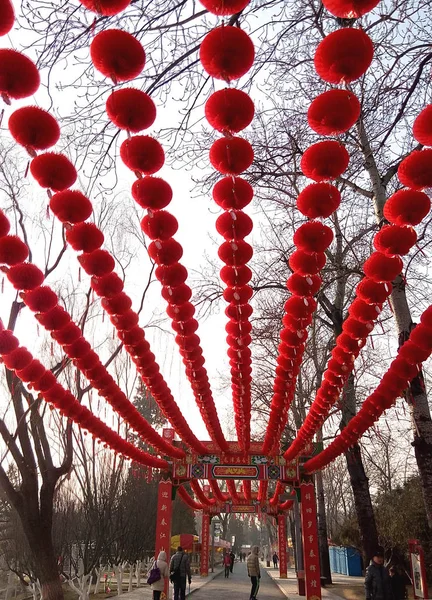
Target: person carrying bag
[[158, 574], [179, 571]]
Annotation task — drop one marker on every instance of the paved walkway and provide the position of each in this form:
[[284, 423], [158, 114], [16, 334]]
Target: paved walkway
[[237, 587]]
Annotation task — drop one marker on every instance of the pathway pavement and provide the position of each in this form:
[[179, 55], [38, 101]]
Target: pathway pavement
[[237, 587]]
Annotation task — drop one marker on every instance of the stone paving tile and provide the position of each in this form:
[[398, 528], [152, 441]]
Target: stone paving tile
[[237, 587]]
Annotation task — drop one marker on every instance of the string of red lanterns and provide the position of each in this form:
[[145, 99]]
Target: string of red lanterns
[[188, 500], [199, 493], [226, 54], [32, 372], [43, 301], [133, 110]]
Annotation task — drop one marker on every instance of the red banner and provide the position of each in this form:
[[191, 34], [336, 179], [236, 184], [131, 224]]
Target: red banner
[[205, 544], [310, 541], [163, 522], [283, 565]]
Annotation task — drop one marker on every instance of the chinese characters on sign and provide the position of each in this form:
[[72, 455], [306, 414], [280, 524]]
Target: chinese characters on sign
[[310, 541], [205, 535], [282, 546], [163, 523]]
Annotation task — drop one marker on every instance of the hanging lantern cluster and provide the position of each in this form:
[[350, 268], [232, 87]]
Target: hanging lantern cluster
[[402, 210], [134, 111], [44, 302], [403, 369], [199, 493], [31, 371], [227, 53], [188, 500]]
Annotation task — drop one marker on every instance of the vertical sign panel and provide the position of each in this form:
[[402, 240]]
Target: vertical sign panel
[[310, 541], [205, 544], [283, 566], [163, 524]]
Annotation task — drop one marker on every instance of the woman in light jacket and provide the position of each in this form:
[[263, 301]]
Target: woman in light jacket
[[158, 586]]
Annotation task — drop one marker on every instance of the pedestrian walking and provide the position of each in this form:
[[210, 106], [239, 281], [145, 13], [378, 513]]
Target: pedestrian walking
[[180, 571], [227, 564], [253, 569], [275, 560], [232, 559], [397, 582], [158, 574], [377, 580]]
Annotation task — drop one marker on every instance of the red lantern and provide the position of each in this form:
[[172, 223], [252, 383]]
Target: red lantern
[[132, 337], [299, 307], [240, 295], [25, 276], [7, 16], [41, 299], [34, 128], [227, 53], [356, 329], [313, 236], [54, 319], [117, 305], [4, 224], [53, 171], [71, 206], [422, 128], [229, 110], [426, 317], [304, 263], [236, 276], [181, 312], [152, 192], [381, 267], [333, 112], [131, 109], [231, 156], [125, 321], [415, 171], [8, 342], [363, 311], [89, 361], [85, 237], [344, 55], [159, 225], [117, 54], [108, 285], [68, 334], [142, 153], [407, 207], [185, 327], [19, 76], [349, 9], [236, 252], [413, 353], [17, 359], [372, 291], [224, 8], [106, 7], [238, 329], [32, 372], [324, 160], [232, 193], [395, 239], [421, 336], [78, 349], [12, 250], [234, 224], [239, 312], [295, 323], [293, 338], [177, 295], [318, 200], [301, 285], [46, 382], [165, 252], [171, 275], [97, 263]]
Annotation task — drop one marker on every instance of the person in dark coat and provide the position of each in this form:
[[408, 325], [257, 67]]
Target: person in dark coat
[[232, 558], [397, 583], [275, 560], [377, 580], [180, 562]]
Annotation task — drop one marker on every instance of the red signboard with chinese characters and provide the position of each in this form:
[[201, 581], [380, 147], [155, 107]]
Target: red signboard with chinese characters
[[163, 524], [310, 541], [283, 566], [205, 544]]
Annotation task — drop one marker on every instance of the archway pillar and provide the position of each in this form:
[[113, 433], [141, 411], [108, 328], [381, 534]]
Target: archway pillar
[[163, 521], [282, 540], [310, 540], [205, 544]]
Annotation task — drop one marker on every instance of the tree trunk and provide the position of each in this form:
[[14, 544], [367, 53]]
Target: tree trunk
[[416, 395], [322, 530], [359, 481]]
